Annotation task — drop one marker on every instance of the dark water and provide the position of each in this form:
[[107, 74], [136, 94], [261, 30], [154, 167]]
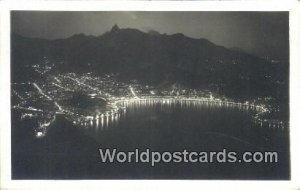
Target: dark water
[[71, 152]]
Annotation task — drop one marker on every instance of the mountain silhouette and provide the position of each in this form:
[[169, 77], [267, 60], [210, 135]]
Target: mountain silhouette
[[156, 59]]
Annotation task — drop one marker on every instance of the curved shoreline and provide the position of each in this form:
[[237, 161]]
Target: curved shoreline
[[117, 106], [120, 105]]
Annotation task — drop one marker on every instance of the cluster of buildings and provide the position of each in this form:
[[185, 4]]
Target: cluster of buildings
[[58, 94]]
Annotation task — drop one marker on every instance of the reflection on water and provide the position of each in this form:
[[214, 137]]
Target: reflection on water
[[132, 107], [235, 123], [70, 151]]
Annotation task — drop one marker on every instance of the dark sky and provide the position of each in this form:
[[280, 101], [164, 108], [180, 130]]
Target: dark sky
[[262, 33]]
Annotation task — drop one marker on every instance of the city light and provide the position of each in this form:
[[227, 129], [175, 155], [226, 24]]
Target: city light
[[117, 97]]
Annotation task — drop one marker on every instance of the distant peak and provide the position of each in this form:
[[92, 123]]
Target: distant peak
[[115, 28]]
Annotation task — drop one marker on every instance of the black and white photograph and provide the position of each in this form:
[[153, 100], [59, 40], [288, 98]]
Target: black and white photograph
[[150, 95]]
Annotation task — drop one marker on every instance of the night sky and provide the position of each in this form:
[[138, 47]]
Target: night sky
[[260, 33]]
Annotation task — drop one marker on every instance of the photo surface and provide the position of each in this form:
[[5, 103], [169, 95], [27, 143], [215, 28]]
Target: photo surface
[[150, 95]]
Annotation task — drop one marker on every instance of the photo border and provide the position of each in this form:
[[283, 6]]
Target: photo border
[[5, 131]]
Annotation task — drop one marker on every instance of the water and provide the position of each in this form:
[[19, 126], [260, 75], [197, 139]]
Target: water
[[71, 152]]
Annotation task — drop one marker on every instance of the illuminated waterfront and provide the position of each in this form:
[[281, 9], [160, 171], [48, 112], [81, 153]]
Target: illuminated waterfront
[[51, 98], [69, 116], [121, 105]]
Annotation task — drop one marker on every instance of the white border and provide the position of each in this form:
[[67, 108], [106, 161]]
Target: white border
[[5, 7]]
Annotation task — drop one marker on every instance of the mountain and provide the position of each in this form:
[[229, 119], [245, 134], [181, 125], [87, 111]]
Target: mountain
[[155, 59]]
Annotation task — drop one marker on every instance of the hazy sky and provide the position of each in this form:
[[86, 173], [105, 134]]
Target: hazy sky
[[263, 33]]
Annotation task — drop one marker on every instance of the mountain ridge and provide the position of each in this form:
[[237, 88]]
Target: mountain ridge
[[155, 59]]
